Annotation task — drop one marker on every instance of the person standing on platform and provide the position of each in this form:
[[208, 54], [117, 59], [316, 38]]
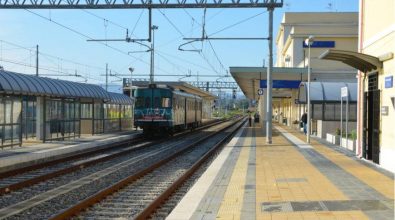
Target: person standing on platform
[[304, 121], [249, 119]]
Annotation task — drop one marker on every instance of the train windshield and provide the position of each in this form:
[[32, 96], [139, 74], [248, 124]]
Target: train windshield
[[156, 102], [140, 102], [147, 102]]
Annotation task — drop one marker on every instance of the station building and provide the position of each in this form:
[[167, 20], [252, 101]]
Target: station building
[[207, 97], [376, 93], [40, 109], [330, 30]]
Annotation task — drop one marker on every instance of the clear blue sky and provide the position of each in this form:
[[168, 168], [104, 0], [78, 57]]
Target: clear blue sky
[[27, 29]]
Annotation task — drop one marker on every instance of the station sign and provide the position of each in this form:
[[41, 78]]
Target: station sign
[[281, 84], [389, 82], [344, 92], [384, 110], [320, 44]]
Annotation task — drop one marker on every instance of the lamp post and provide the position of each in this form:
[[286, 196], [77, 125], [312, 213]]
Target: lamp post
[[131, 69], [309, 41]]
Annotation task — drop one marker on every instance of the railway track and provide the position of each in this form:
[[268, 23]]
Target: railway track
[[27, 176], [15, 203], [138, 196]]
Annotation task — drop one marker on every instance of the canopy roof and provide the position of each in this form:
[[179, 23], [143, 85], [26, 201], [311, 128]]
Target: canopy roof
[[17, 83], [360, 61], [248, 78], [326, 92], [118, 98]]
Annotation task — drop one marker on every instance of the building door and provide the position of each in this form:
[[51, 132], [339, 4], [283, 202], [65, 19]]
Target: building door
[[371, 123], [29, 117]]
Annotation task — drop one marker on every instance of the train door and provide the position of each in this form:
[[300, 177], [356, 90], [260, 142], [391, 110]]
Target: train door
[[186, 113], [371, 122], [148, 100], [194, 112]]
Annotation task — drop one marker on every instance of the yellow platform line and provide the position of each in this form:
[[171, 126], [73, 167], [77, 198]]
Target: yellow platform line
[[232, 202], [369, 176], [279, 162]]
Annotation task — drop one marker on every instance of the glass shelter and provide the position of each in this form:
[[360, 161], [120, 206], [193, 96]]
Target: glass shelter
[[40, 108], [325, 99]]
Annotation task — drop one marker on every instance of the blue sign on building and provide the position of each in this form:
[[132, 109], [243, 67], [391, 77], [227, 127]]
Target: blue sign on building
[[389, 81], [321, 44], [282, 84]]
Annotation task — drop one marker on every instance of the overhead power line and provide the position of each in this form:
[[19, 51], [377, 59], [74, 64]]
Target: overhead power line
[[105, 19], [237, 23]]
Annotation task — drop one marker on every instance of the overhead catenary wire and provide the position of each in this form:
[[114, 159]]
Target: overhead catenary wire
[[205, 33], [90, 38], [182, 34], [237, 23], [46, 56], [105, 19]]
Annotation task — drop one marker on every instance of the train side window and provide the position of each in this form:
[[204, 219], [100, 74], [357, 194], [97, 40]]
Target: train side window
[[147, 102]]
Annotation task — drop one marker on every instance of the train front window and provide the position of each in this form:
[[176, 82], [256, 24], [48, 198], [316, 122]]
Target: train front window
[[147, 102], [166, 102], [140, 102], [156, 102]]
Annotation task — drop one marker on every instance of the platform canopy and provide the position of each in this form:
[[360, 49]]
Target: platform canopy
[[326, 92], [360, 61], [250, 79], [121, 99], [23, 84], [181, 86]]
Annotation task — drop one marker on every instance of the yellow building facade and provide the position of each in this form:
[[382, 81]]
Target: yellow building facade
[[376, 93], [377, 38]]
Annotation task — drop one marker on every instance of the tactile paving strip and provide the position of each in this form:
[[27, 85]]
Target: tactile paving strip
[[348, 205], [293, 180]]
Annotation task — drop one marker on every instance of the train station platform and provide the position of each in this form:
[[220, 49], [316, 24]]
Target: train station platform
[[288, 179], [16, 157]]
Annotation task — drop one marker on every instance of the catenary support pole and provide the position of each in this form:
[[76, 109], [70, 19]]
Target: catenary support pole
[[269, 80], [36, 60], [106, 76]]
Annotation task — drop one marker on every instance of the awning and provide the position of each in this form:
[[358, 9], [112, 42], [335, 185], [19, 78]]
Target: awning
[[360, 61], [326, 92]]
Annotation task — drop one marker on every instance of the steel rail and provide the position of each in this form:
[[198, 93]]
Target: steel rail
[[97, 197], [154, 205], [22, 170], [70, 169]]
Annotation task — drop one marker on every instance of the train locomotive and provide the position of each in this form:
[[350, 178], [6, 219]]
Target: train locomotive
[[161, 109]]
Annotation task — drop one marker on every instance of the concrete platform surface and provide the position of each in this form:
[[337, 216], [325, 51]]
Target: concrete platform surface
[[288, 179], [11, 158]]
